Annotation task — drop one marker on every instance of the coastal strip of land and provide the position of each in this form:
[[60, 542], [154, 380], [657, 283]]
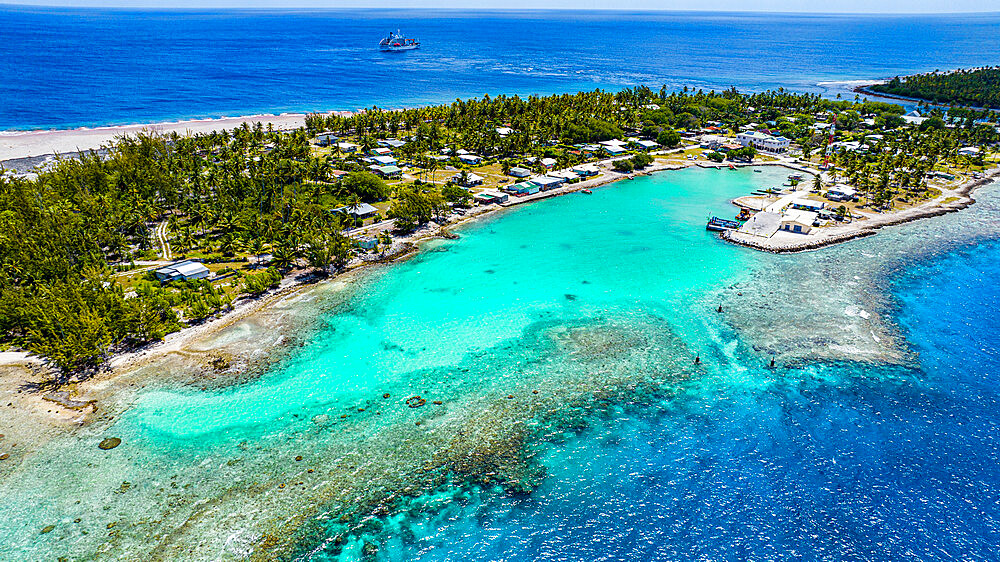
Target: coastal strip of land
[[15, 145], [965, 89], [949, 201], [191, 227]]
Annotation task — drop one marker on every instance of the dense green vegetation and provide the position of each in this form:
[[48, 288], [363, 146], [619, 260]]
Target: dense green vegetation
[[978, 87], [637, 162], [64, 234], [256, 198]]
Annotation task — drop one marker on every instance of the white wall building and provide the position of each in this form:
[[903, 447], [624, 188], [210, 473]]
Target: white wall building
[[763, 141], [797, 221]]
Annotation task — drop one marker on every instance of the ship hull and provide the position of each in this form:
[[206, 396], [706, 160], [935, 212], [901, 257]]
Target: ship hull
[[391, 49]]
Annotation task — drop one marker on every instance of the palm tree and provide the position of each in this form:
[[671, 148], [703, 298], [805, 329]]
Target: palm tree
[[353, 204], [256, 247], [367, 143], [318, 169], [229, 244], [283, 255], [384, 241], [434, 165]]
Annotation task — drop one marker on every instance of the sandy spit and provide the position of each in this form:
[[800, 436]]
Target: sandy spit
[[25, 144]]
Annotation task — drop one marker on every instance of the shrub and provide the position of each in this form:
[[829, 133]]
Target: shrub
[[255, 284], [624, 165]]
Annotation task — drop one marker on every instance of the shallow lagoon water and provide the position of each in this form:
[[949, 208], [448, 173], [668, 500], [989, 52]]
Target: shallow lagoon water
[[621, 248], [599, 303]]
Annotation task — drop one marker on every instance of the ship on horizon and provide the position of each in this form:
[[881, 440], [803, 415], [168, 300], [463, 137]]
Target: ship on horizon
[[396, 41]]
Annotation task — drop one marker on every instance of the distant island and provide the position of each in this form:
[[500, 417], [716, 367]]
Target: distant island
[[976, 87], [110, 251]]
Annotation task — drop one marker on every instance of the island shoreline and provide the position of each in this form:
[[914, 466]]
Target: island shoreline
[[872, 226], [410, 245], [864, 90]]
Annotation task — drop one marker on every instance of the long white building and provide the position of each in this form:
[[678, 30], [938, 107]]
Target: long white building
[[763, 142]]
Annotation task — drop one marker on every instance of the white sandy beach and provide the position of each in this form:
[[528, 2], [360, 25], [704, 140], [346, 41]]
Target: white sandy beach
[[24, 144]]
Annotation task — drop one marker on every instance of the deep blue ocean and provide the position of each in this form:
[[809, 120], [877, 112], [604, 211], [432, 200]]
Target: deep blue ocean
[[83, 67]]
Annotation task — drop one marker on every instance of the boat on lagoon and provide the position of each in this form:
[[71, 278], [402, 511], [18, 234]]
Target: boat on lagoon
[[715, 224]]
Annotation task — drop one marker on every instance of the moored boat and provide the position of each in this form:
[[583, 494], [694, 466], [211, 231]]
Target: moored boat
[[715, 224]]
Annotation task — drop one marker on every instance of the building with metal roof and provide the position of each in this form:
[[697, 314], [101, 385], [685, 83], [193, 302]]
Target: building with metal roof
[[182, 271]]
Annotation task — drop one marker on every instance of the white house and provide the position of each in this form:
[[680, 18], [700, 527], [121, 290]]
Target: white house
[[469, 180], [807, 205], [646, 145], [548, 162], [841, 192], [546, 183], [968, 151], [564, 174], [384, 160], [519, 172], [914, 118], [347, 147], [471, 159], [504, 131], [586, 170], [797, 221], [392, 143], [850, 146], [712, 142], [763, 141], [362, 210]]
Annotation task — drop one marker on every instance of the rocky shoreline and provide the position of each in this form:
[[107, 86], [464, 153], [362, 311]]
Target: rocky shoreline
[[861, 229]]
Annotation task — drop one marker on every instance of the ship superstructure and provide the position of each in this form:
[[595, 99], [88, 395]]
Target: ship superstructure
[[396, 41]]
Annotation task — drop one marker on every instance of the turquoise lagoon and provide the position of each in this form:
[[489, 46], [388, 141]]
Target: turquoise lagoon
[[562, 415]]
